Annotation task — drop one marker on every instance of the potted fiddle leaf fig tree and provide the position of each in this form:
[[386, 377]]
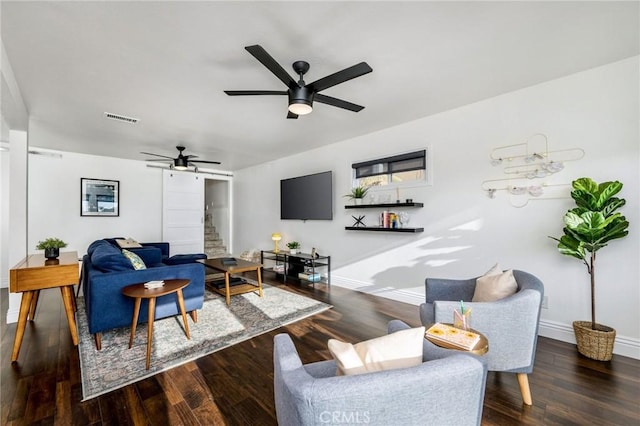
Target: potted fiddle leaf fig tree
[[588, 228], [51, 247]]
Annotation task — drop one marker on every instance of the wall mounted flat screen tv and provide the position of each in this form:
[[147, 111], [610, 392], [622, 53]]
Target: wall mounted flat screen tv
[[307, 197]]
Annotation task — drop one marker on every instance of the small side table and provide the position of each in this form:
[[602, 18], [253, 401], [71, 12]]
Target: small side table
[[139, 292]]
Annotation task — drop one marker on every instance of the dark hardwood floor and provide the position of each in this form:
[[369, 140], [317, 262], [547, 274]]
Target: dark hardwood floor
[[235, 386]]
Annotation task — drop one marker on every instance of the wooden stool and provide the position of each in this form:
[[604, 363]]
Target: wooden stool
[[139, 292]]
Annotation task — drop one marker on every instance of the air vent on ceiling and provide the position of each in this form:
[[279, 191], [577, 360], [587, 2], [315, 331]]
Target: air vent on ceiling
[[119, 117]]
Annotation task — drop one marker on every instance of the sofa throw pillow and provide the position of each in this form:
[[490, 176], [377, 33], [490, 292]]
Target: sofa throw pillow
[[135, 260], [490, 288], [108, 258], [128, 243], [401, 349], [94, 245]]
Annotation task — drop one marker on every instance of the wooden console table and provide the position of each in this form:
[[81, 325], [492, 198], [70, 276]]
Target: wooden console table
[[35, 273]]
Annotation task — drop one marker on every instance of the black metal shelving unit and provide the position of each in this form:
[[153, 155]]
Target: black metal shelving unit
[[299, 259]]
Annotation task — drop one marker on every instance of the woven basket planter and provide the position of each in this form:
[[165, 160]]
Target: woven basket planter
[[595, 344]]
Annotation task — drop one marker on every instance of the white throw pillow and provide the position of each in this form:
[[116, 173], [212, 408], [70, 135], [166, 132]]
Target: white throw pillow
[[490, 288], [495, 270], [401, 349]]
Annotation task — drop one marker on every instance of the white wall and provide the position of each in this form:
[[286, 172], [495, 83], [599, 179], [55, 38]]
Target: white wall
[[4, 206], [54, 199], [465, 231], [14, 123], [18, 210]]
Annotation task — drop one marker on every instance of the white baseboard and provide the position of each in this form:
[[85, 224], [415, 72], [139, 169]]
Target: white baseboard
[[625, 346], [13, 311], [12, 315], [388, 292]]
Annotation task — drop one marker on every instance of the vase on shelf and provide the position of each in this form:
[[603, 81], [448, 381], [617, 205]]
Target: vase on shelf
[[293, 251], [404, 219]]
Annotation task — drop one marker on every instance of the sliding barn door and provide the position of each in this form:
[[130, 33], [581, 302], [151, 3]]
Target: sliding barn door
[[183, 211]]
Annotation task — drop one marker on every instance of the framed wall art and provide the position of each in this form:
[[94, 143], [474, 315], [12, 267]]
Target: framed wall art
[[99, 197]]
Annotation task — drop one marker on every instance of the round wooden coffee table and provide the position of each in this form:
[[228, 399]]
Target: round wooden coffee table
[[139, 292]]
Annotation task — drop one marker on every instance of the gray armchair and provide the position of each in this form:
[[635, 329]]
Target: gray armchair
[[510, 324], [447, 391]]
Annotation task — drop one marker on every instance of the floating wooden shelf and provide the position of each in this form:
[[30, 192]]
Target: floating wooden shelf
[[377, 228]]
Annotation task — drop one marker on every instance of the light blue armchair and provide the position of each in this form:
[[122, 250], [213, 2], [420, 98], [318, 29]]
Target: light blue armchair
[[447, 391], [510, 324]]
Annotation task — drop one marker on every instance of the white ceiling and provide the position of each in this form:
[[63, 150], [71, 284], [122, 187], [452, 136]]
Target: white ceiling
[[167, 63]]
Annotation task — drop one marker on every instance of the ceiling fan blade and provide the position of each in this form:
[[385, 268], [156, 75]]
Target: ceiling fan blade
[[267, 60], [291, 115], [159, 159], [204, 161], [188, 157], [254, 92], [340, 77], [324, 99], [157, 155]]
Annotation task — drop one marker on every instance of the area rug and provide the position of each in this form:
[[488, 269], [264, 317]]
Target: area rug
[[219, 326]]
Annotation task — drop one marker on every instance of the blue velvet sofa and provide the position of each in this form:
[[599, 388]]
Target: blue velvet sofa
[[105, 271]]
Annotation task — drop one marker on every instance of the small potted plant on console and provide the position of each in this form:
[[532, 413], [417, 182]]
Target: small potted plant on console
[[51, 247], [293, 247]]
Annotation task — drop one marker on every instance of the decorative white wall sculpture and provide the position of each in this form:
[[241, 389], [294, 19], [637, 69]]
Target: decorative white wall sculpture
[[528, 165]]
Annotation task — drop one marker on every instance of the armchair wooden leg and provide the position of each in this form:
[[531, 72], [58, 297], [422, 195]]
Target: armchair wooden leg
[[98, 339], [194, 315], [523, 382]]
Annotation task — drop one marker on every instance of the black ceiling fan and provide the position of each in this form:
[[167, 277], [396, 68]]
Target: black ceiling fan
[[302, 95], [181, 162]]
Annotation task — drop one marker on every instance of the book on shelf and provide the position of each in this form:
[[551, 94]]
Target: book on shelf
[[219, 284], [449, 336], [309, 276], [279, 269]]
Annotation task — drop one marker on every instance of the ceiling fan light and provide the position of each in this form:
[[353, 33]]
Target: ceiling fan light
[[300, 100], [180, 164], [300, 107]]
